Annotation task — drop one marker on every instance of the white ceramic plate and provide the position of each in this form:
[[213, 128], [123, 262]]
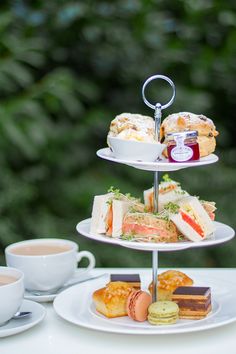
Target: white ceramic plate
[[162, 165], [222, 234], [75, 305], [20, 325]]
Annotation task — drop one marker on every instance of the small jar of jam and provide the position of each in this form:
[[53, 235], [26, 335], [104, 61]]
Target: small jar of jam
[[183, 146]]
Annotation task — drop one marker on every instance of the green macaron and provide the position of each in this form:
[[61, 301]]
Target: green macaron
[[163, 313]]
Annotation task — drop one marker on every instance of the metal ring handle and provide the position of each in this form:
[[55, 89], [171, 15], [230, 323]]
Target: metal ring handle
[[154, 77]]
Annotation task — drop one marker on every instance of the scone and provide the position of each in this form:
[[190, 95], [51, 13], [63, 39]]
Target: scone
[[169, 281], [184, 121], [132, 126], [111, 300]]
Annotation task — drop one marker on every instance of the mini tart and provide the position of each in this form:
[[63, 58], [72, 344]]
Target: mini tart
[[169, 281], [111, 300], [185, 121]]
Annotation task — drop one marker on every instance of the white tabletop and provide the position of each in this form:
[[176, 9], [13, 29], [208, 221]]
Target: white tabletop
[[56, 336]]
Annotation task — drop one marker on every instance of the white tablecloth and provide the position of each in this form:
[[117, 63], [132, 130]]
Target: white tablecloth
[[56, 336]]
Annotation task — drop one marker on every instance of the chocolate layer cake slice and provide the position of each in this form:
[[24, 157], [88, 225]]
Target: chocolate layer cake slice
[[132, 279], [194, 301]]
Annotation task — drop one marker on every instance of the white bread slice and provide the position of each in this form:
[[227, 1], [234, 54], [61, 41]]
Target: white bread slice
[[163, 198], [119, 209], [199, 212], [172, 196], [148, 198], [185, 229], [99, 213]]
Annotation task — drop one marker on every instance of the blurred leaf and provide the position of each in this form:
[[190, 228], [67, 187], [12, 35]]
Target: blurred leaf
[[67, 69]]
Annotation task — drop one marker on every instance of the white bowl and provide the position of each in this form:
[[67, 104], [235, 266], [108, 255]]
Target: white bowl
[[132, 150]]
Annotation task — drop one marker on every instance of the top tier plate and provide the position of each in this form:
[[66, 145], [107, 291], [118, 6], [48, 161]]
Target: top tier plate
[[162, 165]]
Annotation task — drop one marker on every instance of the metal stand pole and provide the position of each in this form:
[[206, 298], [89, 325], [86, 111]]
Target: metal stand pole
[[155, 253], [154, 275], [156, 190], [157, 116]]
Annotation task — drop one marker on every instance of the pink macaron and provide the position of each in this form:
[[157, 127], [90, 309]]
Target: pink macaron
[[137, 305]]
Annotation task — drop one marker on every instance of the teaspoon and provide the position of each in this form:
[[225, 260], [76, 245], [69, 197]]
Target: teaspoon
[[22, 314], [45, 293]]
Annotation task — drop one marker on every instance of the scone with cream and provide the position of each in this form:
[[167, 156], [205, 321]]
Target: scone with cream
[[131, 126], [183, 121]]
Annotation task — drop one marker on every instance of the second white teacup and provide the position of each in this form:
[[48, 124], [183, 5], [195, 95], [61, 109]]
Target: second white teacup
[[11, 292], [47, 264]]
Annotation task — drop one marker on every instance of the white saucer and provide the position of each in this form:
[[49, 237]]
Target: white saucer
[[82, 313], [222, 234], [20, 325], [39, 298], [50, 297], [162, 165]]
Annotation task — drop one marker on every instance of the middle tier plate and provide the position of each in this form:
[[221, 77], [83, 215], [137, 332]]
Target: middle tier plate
[[162, 165], [222, 234]]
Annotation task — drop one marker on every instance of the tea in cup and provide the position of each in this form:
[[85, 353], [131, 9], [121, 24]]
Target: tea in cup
[[47, 263]]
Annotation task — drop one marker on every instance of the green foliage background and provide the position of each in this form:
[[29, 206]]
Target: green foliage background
[[66, 69]]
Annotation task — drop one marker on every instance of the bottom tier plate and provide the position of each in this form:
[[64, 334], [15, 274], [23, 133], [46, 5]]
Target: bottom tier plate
[[222, 234], [75, 305]]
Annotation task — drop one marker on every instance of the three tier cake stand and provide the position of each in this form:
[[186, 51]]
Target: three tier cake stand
[[223, 232]]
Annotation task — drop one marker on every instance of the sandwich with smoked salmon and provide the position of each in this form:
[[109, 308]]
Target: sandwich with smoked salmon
[[147, 227], [109, 210]]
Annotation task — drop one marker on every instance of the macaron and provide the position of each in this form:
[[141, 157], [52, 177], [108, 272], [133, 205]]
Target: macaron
[[137, 305], [163, 313]]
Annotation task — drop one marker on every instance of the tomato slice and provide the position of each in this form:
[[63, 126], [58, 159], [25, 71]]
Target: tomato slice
[[109, 221], [192, 223], [212, 215]]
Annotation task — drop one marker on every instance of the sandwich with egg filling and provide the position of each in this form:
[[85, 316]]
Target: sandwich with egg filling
[[192, 220]]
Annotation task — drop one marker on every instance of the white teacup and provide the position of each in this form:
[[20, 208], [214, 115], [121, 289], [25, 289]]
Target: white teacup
[[11, 292], [47, 263]]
